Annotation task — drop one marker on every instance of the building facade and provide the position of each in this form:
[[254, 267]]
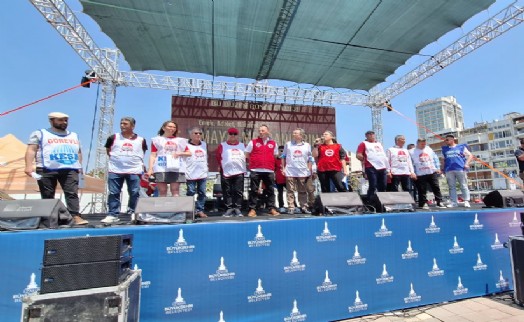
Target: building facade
[[439, 115]]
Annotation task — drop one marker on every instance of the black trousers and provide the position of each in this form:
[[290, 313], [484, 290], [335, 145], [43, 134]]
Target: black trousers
[[268, 178], [334, 176], [402, 180], [233, 190], [280, 190], [422, 183], [68, 180]]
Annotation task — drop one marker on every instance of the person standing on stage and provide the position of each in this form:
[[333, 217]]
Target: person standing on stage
[[412, 187], [519, 154], [400, 165], [231, 161], [375, 162], [197, 170], [427, 170], [297, 167], [58, 158], [456, 165], [126, 163], [261, 153], [331, 163], [280, 178], [165, 161]]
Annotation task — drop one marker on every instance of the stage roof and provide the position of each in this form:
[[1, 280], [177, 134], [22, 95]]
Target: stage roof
[[351, 44]]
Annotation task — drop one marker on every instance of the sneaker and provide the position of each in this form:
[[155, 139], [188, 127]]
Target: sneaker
[[200, 214], [305, 211], [130, 212], [452, 205], [80, 221], [282, 210], [298, 211], [252, 213], [238, 213], [110, 220], [274, 212], [289, 211], [425, 207], [441, 206], [229, 213], [466, 204]]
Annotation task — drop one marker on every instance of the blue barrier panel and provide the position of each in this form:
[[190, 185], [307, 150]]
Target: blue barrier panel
[[311, 269]]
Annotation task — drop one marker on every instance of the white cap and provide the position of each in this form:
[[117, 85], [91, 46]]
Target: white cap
[[57, 115]]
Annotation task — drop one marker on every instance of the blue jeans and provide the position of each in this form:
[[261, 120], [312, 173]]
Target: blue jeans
[[197, 187], [377, 181], [115, 183], [452, 177]]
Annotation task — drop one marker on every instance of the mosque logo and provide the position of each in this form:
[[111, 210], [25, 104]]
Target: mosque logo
[[295, 315], [170, 147], [384, 276], [222, 273], [179, 305], [221, 317], [480, 266], [502, 283], [460, 290], [31, 289], [515, 222], [456, 249], [383, 231], [199, 153], [181, 245], [433, 228], [412, 296], [64, 154], [358, 305], [327, 285], [435, 270], [143, 284], [497, 244], [294, 265], [410, 253], [476, 224], [126, 147], [259, 294], [259, 240], [357, 259], [326, 235]]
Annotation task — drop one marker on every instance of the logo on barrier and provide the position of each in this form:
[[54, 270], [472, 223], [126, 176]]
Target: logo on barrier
[[222, 273], [460, 288], [515, 222], [412, 296], [180, 246], [456, 248], [221, 317], [295, 315], [385, 277], [356, 259], [326, 235], [259, 240], [497, 244], [435, 271], [502, 283], [433, 228], [260, 294], [31, 289], [179, 305], [358, 305], [294, 265], [480, 266], [327, 285], [476, 224], [410, 253], [383, 231], [143, 284]]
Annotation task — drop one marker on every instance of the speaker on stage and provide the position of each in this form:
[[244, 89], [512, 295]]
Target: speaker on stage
[[165, 210], [516, 247], [33, 214], [341, 202], [504, 199], [394, 201]]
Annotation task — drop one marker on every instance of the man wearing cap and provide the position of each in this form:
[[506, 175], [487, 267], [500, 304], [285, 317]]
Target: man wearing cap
[[126, 163], [261, 153], [375, 161], [231, 161], [58, 159]]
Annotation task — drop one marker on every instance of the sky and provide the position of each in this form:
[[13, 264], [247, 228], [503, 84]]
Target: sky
[[38, 63]]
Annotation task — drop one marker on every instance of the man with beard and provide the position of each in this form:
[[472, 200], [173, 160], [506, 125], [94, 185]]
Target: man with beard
[[58, 159]]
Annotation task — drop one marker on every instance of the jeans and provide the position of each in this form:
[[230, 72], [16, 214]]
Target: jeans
[[326, 177], [377, 181], [403, 180], [422, 183], [68, 180], [115, 182], [197, 187], [233, 190], [452, 177]]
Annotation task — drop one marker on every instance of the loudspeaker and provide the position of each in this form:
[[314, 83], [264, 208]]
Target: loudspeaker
[[90, 249], [393, 201], [33, 214], [165, 209], [341, 202], [504, 199], [516, 247]]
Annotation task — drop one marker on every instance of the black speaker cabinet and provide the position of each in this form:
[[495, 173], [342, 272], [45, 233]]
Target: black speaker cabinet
[[393, 201], [33, 214], [87, 249], [72, 277], [516, 247], [341, 202], [504, 199], [165, 209]]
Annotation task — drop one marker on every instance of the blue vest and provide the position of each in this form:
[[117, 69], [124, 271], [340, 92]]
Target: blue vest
[[454, 158]]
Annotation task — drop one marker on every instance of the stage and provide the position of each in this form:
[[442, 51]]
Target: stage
[[294, 269]]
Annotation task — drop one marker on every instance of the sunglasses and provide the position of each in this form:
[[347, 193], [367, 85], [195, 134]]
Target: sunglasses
[[233, 133], [200, 133]]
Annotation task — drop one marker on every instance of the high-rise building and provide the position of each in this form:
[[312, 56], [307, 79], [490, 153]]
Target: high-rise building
[[440, 115]]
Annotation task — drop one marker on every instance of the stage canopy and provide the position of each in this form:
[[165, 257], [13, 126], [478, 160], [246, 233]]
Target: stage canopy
[[352, 44]]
